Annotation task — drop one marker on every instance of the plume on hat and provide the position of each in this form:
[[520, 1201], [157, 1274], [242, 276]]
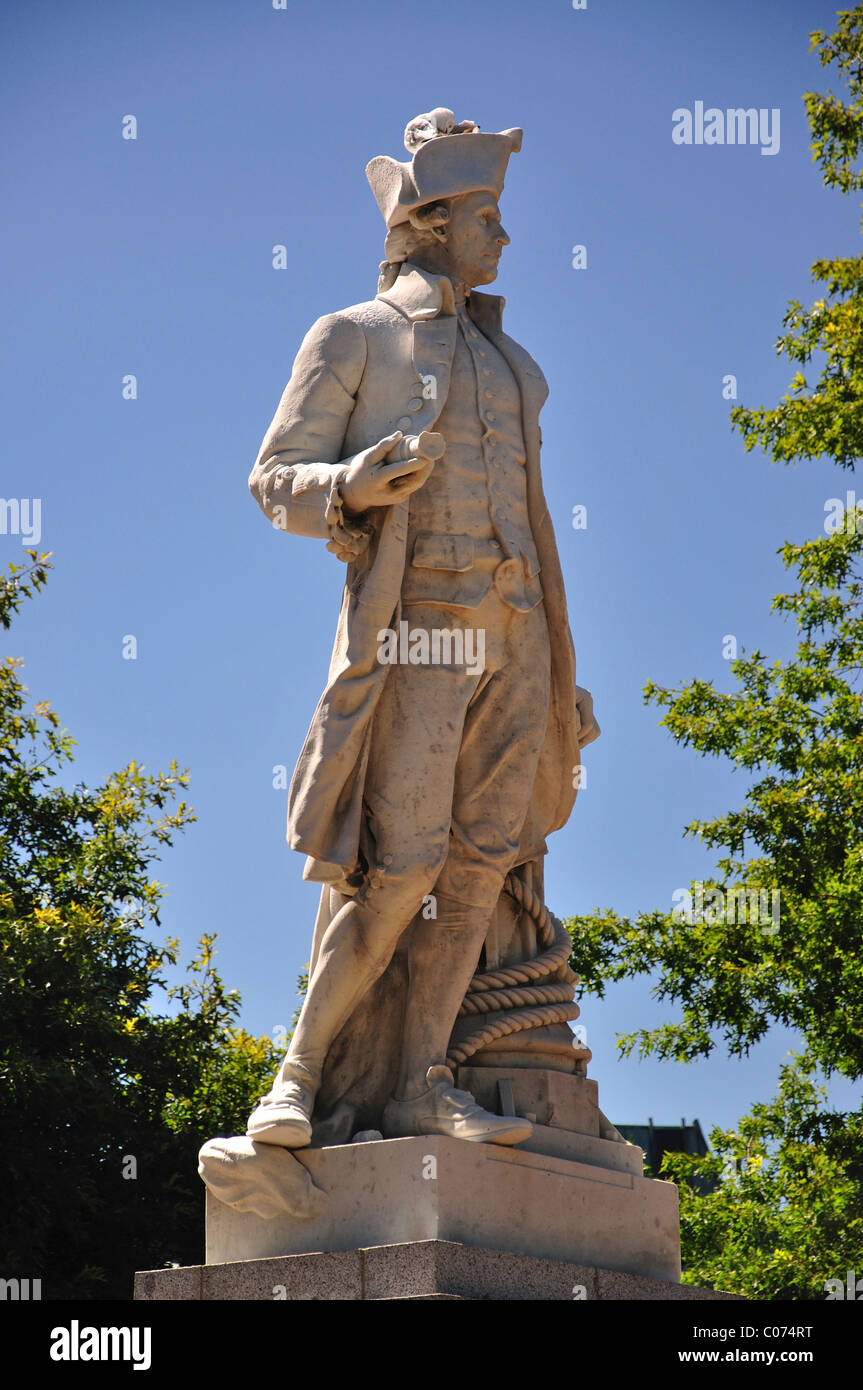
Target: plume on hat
[[440, 121]]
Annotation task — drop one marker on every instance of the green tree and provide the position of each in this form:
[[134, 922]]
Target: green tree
[[786, 1213], [729, 966], [825, 418], [797, 727], [103, 1101]]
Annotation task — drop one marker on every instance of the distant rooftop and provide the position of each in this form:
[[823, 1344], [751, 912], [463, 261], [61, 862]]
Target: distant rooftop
[[657, 1140]]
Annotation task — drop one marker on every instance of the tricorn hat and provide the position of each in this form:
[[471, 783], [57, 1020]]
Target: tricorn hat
[[448, 160]]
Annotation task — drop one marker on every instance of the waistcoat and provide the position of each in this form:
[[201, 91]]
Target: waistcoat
[[469, 526]]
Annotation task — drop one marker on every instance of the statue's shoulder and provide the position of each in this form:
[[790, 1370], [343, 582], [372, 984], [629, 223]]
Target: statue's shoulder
[[368, 313], [344, 333]]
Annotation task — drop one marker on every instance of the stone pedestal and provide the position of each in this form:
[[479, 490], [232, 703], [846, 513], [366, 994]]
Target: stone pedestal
[[573, 1192], [395, 1191], [572, 1197], [421, 1271]]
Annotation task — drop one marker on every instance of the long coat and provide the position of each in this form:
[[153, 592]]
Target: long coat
[[360, 374]]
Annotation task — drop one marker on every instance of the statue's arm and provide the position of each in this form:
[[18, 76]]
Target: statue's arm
[[295, 474]]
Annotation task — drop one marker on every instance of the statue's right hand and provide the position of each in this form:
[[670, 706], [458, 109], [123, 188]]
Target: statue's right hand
[[374, 480]]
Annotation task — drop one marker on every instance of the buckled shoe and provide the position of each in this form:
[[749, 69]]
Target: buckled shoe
[[444, 1110]]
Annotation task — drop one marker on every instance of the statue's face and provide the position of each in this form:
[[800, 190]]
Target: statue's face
[[475, 238]]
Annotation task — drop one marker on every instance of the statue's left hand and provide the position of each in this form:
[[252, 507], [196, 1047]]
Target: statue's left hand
[[588, 729]]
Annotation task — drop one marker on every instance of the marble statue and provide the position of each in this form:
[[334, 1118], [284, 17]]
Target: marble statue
[[446, 745]]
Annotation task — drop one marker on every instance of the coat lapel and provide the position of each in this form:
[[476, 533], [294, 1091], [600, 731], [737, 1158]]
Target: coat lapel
[[433, 349], [427, 301], [486, 310]]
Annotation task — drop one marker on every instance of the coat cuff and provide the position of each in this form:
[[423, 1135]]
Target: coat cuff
[[348, 539]]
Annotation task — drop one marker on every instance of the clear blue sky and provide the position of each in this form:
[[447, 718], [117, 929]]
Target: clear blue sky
[[153, 257]]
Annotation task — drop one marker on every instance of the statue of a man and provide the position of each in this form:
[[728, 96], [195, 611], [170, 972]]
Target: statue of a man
[[408, 438]]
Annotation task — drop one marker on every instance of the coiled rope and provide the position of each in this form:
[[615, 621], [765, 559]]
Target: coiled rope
[[515, 987]]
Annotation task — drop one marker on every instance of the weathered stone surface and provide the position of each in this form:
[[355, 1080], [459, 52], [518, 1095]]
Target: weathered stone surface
[[552, 1097], [583, 1148], [333, 1276], [612, 1285], [431, 1270], [177, 1285], [462, 1271], [564, 1109], [259, 1178], [400, 1191]]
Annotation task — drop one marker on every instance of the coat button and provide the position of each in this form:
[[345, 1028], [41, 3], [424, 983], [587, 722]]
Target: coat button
[[404, 423], [416, 403]]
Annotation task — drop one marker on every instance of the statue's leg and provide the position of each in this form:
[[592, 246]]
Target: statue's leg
[[498, 755], [422, 728], [408, 795], [442, 957], [356, 949]]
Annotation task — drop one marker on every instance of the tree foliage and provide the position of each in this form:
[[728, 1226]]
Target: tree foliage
[[824, 418], [797, 727], [787, 1213], [103, 1101]]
